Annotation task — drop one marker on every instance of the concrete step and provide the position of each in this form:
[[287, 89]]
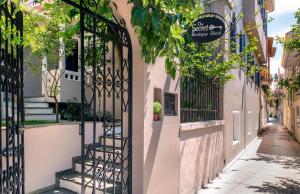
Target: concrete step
[[34, 99], [36, 104], [59, 191], [29, 104], [110, 168], [109, 140], [40, 117], [38, 110], [107, 153], [72, 181]]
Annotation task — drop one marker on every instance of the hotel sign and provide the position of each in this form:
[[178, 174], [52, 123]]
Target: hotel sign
[[207, 29]]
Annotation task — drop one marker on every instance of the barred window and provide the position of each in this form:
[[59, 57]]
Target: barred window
[[199, 99]]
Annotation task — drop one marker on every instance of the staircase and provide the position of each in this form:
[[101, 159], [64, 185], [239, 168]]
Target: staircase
[[36, 108], [69, 181]]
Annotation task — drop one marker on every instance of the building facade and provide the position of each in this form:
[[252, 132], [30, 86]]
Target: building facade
[[196, 136], [291, 99]]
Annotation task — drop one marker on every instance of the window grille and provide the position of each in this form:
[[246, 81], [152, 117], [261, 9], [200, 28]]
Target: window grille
[[199, 99]]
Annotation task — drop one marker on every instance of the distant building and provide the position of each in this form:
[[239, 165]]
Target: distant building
[[291, 99]]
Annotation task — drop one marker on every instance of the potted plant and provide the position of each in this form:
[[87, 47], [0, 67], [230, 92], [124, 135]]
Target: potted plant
[[157, 108]]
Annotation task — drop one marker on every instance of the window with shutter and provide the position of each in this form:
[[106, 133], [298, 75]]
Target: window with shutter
[[233, 34]]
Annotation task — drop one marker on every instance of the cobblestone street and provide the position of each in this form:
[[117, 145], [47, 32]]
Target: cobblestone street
[[268, 165]]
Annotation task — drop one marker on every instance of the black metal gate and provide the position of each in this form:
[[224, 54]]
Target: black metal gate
[[11, 101], [105, 60]]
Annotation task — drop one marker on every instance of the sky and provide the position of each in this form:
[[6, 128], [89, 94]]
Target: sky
[[283, 19]]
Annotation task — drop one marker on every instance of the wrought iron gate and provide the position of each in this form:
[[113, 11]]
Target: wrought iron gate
[[11, 101], [105, 60]]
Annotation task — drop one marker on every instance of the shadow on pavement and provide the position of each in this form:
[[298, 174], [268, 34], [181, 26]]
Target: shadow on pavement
[[283, 161], [282, 185]]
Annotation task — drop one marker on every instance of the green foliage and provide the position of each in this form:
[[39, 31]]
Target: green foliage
[[291, 84], [267, 90], [72, 112], [157, 107], [161, 27], [45, 35], [292, 44]]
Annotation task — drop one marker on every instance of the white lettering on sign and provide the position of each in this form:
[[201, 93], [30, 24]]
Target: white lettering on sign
[[202, 30]]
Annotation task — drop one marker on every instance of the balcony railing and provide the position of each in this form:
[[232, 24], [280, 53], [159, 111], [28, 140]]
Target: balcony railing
[[265, 76]]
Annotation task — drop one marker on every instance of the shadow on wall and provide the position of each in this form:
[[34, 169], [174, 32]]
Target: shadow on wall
[[281, 185], [159, 129], [201, 158]]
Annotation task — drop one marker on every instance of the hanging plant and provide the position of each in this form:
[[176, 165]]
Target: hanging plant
[[291, 84]]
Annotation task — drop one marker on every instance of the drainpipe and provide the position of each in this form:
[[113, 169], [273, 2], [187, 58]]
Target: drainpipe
[[260, 103], [245, 111]]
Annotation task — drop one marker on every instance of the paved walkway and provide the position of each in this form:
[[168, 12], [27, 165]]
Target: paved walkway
[[269, 165]]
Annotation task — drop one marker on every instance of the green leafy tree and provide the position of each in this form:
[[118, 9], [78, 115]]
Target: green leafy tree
[[161, 27], [292, 44], [48, 35]]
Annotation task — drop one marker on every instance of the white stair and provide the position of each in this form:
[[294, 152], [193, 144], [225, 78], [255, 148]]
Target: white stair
[[71, 179], [40, 117], [36, 108], [34, 99]]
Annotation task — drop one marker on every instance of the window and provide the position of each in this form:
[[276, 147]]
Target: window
[[170, 104], [249, 122], [199, 98], [72, 60], [236, 127], [233, 28], [242, 42]]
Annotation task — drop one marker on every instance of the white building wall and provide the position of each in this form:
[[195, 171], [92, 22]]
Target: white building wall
[[241, 103]]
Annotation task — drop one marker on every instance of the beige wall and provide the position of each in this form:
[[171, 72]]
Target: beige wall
[[201, 157], [264, 106], [49, 150], [296, 106], [241, 111], [155, 144], [32, 76], [240, 101], [70, 88], [162, 154]]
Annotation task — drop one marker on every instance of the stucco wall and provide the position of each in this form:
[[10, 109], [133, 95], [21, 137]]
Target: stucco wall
[[296, 106], [201, 157], [49, 150], [240, 103], [32, 76], [155, 144], [264, 111]]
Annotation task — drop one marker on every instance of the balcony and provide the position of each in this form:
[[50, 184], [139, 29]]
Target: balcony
[[255, 22], [265, 76]]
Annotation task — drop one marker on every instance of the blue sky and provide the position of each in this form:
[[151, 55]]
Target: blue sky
[[283, 19]]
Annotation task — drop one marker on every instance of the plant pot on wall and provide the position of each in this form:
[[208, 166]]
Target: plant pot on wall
[[157, 108], [156, 117]]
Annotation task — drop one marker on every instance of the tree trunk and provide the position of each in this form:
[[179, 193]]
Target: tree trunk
[[56, 110]]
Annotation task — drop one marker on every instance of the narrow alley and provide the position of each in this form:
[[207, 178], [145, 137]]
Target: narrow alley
[[270, 164]]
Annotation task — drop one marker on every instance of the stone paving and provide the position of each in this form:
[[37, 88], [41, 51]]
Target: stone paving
[[268, 165]]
